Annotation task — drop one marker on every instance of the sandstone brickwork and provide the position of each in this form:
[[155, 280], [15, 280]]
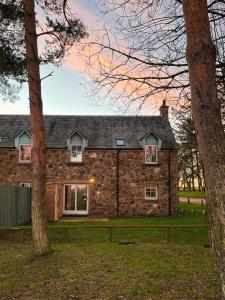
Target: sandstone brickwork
[[134, 176]]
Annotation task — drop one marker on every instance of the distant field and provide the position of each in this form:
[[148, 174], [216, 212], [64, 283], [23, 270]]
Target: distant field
[[192, 194]]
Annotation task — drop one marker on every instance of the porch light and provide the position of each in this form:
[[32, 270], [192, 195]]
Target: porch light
[[91, 180]]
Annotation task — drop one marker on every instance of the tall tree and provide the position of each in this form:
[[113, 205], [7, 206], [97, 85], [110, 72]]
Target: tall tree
[[62, 30], [39, 220], [206, 110], [12, 61]]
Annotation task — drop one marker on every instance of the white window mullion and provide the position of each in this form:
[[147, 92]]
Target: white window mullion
[[151, 192]]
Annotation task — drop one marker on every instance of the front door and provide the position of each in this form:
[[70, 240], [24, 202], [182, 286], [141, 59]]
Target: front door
[[75, 199]]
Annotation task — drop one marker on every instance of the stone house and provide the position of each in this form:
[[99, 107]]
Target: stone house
[[97, 165]]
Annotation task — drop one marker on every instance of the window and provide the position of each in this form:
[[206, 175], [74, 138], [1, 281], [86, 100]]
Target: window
[[76, 144], [23, 142], [76, 153], [25, 153], [151, 145], [151, 193], [151, 154], [120, 142], [25, 184]]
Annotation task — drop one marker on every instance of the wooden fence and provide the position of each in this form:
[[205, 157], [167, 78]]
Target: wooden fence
[[15, 205], [20, 231]]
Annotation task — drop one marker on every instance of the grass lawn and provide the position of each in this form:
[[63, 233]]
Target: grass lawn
[[86, 266], [192, 194]]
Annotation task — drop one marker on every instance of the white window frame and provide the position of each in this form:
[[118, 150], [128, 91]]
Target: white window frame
[[157, 155], [25, 161], [25, 184], [75, 211], [120, 139], [152, 186], [74, 161]]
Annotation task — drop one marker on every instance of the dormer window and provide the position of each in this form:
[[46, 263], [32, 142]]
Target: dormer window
[[23, 143], [120, 142], [151, 146], [76, 144], [25, 153], [76, 153], [151, 154]]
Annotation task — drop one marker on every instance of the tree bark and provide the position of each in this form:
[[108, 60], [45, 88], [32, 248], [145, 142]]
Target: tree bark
[[39, 220], [206, 110]]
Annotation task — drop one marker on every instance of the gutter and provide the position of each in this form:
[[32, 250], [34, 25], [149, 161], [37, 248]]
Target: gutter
[[169, 184], [117, 184]]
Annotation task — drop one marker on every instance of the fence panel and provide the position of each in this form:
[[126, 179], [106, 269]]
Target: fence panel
[[15, 205]]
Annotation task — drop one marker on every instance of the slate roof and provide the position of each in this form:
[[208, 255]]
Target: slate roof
[[101, 131]]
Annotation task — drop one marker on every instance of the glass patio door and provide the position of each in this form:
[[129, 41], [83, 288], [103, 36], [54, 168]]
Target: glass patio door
[[75, 199]]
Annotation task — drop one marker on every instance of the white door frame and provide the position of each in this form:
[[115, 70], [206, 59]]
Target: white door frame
[[75, 211]]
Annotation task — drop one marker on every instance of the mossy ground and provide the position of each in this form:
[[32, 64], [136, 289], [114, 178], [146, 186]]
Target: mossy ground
[[87, 266]]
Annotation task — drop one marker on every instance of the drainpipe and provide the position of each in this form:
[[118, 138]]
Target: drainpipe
[[169, 183], [117, 184]]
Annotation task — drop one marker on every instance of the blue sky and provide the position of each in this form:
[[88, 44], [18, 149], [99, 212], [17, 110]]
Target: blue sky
[[66, 92]]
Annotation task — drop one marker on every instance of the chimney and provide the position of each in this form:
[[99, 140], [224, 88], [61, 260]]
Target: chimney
[[164, 110]]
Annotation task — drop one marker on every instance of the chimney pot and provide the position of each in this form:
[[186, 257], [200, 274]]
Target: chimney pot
[[164, 110]]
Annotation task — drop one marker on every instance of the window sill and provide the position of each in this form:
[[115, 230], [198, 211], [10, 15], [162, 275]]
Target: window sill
[[70, 163], [151, 200], [24, 163], [152, 165]]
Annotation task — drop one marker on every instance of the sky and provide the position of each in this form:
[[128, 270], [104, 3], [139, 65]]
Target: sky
[[66, 91]]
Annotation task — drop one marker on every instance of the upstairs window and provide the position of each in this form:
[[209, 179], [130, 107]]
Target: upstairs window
[[151, 154], [25, 153], [76, 153], [23, 143], [151, 192], [76, 144], [151, 149], [120, 142]]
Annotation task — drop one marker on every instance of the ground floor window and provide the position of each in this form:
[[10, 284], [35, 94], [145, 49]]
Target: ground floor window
[[24, 184], [151, 192]]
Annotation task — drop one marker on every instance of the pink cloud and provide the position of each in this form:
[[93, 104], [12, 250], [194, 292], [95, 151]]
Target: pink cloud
[[78, 61]]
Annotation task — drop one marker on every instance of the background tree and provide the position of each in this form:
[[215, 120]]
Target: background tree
[[62, 29], [12, 59], [189, 164]]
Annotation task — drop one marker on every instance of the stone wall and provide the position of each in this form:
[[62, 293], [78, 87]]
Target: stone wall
[[134, 176]]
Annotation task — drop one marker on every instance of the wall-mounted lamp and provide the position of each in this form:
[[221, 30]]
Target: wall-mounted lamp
[[91, 180]]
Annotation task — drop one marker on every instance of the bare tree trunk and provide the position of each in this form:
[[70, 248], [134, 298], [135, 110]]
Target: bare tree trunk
[[198, 172], [39, 221], [192, 172], [206, 109]]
